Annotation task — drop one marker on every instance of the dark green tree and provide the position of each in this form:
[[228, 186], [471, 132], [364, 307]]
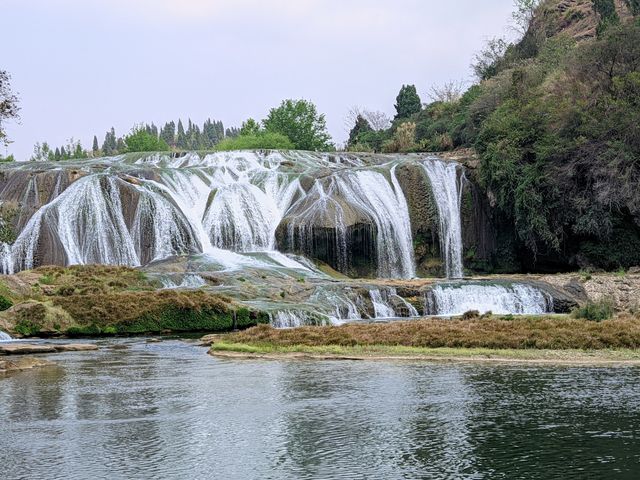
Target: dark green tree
[[407, 102], [95, 148], [168, 133], [361, 126], [299, 121], [181, 139]]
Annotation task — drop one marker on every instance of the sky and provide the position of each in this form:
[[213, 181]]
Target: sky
[[81, 67]]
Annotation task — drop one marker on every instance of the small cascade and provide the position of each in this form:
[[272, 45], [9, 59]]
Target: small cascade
[[515, 298], [446, 186], [381, 307], [388, 304], [294, 318], [192, 281], [189, 281], [5, 337]]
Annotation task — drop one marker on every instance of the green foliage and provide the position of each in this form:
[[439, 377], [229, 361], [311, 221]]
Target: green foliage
[[558, 147], [606, 10], [250, 127], [141, 140], [407, 102], [259, 141], [299, 121], [5, 303], [595, 311], [360, 128], [7, 159]]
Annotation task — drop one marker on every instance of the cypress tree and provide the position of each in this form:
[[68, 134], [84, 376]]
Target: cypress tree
[[95, 147], [407, 102]]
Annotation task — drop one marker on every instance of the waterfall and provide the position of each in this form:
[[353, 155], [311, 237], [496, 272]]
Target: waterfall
[[516, 298], [446, 186], [137, 209], [295, 318], [388, 304], [381, 308], [350, 204], [5, 337]]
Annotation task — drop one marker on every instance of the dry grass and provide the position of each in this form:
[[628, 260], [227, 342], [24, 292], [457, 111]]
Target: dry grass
[[117, 307], [549, 332]]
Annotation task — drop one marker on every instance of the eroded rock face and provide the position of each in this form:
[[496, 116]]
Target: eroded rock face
[[423, 213]]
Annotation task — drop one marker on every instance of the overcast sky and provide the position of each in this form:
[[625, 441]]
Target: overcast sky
[[83, 66]]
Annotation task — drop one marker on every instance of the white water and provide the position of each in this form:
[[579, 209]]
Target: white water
[[446, 186], [5, 337], [456, 299], [292, 318]]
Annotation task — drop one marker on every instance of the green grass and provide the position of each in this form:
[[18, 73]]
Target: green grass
[[398, 351]]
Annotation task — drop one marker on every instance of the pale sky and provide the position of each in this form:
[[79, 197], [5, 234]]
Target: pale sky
[[83, 66]]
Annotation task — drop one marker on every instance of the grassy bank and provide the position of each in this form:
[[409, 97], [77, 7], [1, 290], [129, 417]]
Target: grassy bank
[[103, 300], [526, 338]]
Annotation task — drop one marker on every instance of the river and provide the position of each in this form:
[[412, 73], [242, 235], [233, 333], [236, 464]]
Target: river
[[168, 410]]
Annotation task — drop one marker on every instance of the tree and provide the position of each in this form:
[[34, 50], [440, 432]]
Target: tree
[[361, 126], [109, 146], [168, 133], [181, 140], [377, 120], [486, 62], [407, 102], [41, 152], [95, 148], [250, 127], [300, 122], [9, 108], [523, 14], [141, 140], [450, 92]]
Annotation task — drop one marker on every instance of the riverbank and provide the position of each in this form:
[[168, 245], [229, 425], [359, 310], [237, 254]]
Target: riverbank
[[546, 339]]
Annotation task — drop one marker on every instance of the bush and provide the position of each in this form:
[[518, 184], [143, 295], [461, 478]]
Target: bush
[[595, 311], [257, 141], [5, 303]]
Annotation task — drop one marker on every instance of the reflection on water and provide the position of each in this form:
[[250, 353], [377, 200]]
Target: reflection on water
[[167, 410]]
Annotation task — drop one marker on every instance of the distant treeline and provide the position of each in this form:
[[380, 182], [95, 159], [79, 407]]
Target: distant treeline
[[143, 137]]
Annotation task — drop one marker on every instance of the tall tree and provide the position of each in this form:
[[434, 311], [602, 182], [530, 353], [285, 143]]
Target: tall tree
[[407, 102], [299, 121], [361, 126], [181, 140], [95, 148], [9, 108]]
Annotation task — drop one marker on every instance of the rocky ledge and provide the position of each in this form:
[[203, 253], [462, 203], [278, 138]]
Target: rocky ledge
[[29, 349], [22, 363]]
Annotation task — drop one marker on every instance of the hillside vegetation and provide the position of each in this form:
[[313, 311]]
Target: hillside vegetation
[[555, 120]]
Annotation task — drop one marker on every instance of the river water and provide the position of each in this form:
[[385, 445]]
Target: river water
[[167, 410]]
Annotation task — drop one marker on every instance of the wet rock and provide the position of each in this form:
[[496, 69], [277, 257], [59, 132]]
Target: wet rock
[[25, 349], [24, 363], [76, 347], [28, 349]]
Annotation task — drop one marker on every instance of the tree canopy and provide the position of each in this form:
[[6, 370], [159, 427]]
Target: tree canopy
[[141, 140], [299, 121], [407, 102]]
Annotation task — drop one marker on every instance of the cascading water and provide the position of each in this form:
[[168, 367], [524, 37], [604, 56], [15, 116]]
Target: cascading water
[[5, 337], [516, 298], [446, 185]]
